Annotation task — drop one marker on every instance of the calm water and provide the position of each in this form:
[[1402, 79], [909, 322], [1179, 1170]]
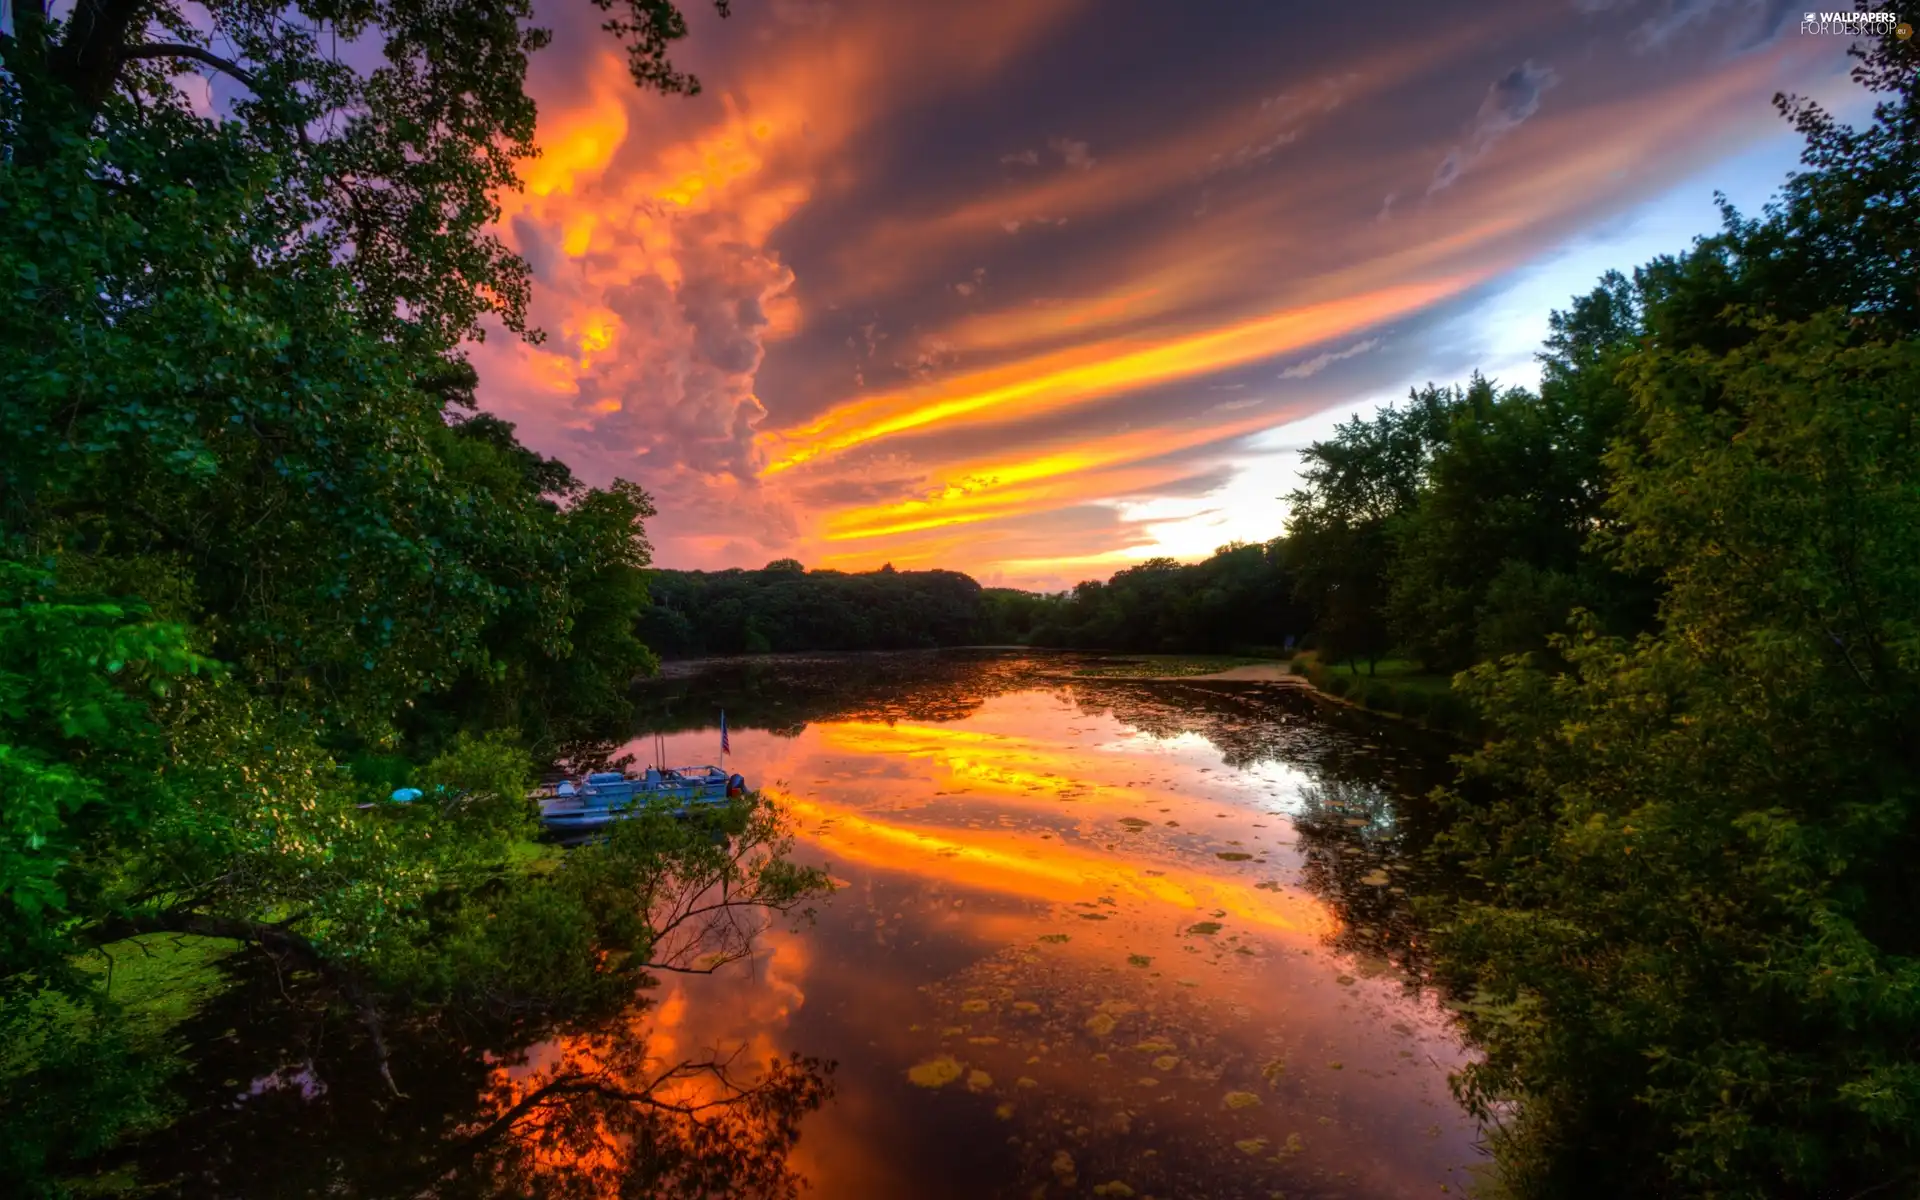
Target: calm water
[[1146, 933], [1093, 937]]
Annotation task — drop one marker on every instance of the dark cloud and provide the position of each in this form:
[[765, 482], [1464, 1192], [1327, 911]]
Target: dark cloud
[[1198, 484], [835, 493], [819, 245], [1510, 100]]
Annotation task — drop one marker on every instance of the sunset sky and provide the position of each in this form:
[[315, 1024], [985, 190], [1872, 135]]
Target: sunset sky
[[1037, 288]]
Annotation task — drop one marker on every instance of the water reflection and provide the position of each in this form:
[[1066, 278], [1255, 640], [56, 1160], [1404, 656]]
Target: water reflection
[[1097, 936], [1093, 937]]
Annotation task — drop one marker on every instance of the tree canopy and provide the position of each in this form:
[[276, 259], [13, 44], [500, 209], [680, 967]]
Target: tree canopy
[[262, 560]]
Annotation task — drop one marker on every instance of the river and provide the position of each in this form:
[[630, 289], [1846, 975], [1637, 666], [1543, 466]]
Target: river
[[1090, 931], [1094, 934]]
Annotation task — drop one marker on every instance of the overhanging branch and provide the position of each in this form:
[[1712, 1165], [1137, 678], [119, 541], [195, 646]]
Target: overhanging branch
[[184, 50]]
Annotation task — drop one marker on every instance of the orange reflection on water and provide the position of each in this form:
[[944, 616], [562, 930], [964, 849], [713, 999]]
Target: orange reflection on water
[[1014, 864], [1013, 764], [1035, 891]]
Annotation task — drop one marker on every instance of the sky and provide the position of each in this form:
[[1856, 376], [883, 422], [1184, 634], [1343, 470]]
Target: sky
[[1034, 289]]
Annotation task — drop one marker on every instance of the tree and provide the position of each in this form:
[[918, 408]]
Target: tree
[[1359, 485], [252, 528], [1690, 968]]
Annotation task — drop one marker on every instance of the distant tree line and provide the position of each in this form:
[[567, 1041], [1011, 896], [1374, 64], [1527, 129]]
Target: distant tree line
[[784, 608], [1241, 599]]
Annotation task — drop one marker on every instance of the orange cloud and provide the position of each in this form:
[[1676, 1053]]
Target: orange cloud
[[1101, 370]]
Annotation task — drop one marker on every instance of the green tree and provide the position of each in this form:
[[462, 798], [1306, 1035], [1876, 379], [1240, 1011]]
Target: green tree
[[251, 527], [1340, 526], [1692, 970]]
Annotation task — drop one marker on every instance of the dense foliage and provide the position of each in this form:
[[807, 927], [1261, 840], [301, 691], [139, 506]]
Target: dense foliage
[[261, 560], [1238, 600], [1454, 528], [785, 607], [1690, 959]]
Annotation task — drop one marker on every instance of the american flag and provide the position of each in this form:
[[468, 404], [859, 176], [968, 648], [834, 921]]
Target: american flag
[[724, 747]]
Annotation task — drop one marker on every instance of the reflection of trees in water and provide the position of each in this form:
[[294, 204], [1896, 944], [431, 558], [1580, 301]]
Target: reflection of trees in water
[[598, 1116], [1248, 725], [1361, 856], [516, 1070], [1363, 821], [609, 1119], [1365, 769], [783, 693]]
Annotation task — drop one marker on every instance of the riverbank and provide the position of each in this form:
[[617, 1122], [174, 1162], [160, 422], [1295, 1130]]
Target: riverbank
[[1395, 689]]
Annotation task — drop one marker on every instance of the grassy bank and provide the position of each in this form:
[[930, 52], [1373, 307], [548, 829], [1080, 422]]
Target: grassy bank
[[1167, 666], [1395, 687]]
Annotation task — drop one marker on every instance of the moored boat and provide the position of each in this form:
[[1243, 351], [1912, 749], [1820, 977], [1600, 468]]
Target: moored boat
[[603, 797]]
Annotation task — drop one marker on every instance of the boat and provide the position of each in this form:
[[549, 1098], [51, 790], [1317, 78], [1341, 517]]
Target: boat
[[597, 800]]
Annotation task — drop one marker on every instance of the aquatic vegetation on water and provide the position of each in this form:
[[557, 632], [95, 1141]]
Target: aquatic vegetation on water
[[935, 1072], [1238, 1100]]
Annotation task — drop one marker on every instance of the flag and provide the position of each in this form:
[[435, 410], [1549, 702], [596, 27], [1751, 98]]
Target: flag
[[724, 747]]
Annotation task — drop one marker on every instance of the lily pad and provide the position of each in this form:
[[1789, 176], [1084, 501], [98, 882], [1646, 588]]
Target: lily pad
[[1205, 927], [1056, 938], [978, 1081], [1153, 1047], [1025, 1006], [1232, 856], [975, 1006], [1101, 1024], [1139, 960], [1238, 1100], [1250, 1146], [1004, 1112], [1112, 1188], [935, 1072], [1165, 1063]]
